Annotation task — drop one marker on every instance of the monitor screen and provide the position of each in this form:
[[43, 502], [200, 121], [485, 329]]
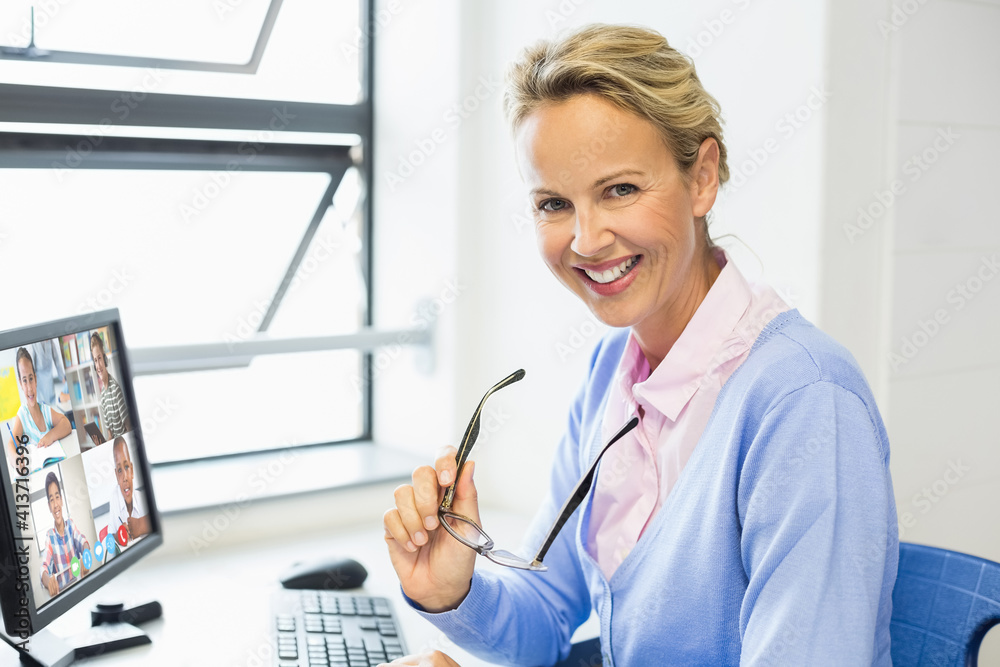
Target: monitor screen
[[79, 506]]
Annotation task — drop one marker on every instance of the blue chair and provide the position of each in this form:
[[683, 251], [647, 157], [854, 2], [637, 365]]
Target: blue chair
[[943, 604]]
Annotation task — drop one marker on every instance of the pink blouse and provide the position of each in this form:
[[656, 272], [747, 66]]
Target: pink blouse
[[638, 472]]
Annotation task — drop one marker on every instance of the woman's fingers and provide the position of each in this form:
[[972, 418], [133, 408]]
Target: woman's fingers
[[413, 524], [445, 466], [415, 514], [427, 494], [394, 529]]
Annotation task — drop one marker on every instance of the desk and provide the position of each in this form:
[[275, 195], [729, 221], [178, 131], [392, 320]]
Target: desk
[[216, 604]]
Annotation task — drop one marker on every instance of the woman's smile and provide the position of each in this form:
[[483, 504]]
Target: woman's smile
[[610, 278]]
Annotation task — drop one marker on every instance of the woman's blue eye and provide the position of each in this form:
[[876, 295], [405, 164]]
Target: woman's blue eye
[[623, 189], [552, 205]]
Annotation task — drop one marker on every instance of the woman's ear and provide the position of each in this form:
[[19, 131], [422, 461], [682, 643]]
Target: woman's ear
[[705, 181]]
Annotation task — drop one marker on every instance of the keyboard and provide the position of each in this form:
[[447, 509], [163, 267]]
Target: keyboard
[[334, 629]]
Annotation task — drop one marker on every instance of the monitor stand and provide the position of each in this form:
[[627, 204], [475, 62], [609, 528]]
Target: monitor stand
[[47, 649]]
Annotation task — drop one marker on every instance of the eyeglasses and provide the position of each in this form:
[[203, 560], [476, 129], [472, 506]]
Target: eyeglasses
[[471, 534]]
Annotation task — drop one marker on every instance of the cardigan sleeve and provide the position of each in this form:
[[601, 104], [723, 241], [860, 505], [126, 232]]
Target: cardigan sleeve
[[818, 532], [528, 618]]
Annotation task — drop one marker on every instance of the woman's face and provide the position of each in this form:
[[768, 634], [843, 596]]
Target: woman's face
[[26, 375], [616, 222]]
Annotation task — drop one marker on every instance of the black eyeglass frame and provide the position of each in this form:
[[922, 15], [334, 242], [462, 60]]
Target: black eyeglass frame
[[486, 549]]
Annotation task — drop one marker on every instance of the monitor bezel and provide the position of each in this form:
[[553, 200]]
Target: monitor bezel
[[12, 600]]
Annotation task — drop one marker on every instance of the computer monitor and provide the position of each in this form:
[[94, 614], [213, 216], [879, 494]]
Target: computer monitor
[[77, 506]]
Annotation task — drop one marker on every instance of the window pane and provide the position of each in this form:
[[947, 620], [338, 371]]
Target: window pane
[[280, 400], [179, 29], [312, 54], [186, 256]]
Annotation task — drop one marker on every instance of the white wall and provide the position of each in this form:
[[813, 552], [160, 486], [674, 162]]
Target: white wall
[[911, 144], [909, 209], [416, 213], [944, 382]]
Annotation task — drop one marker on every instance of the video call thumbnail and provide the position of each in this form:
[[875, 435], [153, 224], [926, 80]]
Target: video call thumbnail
[[63, 411]]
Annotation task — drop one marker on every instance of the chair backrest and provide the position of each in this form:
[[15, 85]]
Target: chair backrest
[[943, 604]]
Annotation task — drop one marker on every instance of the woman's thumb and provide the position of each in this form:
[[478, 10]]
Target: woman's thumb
[[466, 496]]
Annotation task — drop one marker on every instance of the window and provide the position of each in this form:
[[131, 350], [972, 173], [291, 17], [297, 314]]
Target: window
[[202, 168]]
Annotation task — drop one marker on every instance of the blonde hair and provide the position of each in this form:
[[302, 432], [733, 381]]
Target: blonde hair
[[633, 68]]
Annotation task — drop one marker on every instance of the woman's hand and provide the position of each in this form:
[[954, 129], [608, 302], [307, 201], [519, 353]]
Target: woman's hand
[[429, 659], [434, 569]]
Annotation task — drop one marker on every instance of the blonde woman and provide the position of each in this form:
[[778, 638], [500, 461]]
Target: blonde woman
[[749, 518]]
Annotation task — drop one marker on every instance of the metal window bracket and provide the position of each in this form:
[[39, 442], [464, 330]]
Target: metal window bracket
[[239, 353]]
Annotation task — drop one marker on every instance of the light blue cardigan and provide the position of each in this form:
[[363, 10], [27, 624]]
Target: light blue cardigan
[[777, 546]]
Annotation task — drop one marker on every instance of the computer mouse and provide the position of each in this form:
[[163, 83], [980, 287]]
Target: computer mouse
[[332, 574]]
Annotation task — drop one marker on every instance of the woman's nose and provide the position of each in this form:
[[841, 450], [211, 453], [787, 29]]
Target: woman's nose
[[591, 234]]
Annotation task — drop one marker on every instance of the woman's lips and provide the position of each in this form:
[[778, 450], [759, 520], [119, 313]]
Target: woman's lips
[[616, 286]]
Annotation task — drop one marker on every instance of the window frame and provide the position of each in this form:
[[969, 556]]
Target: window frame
[[31, 52], [90, 108]]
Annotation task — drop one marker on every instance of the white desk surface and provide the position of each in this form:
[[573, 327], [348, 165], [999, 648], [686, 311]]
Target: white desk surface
[[216, 605]]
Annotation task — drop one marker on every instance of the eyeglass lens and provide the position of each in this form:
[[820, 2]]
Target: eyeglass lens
[[466, 531]]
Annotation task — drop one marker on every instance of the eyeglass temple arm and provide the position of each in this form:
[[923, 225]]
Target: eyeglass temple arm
[[471, 433], [580, 492]]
